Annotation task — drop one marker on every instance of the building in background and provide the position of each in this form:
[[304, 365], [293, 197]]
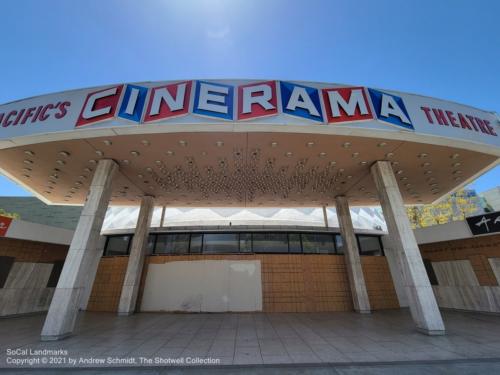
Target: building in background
[[492, 198]]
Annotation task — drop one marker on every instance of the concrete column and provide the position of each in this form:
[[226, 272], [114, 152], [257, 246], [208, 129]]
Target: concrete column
[[162, 219], [77, 269], [138, 248], [352, 259], [421, 299], [87, 291], [325, 216], [395, 267]]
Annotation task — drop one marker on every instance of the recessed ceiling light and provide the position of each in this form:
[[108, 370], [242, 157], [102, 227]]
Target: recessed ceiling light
[[26, 175], [92, 161], [382, 144], [457, 164], [158, 162], [28, 152], [87, 170], [107, 142], [149, 169], [99, 152], [125, 162], [145, 142], [64, 154], [170, 153], [219, 143], [183, 143], [289, 154], [458, 178], [422, 155], [454, 156], [322, 154], [310, 144], [362, 162], [355, 154], [274, 144], [27, 161], [426, 164], [83, 177], [140, 176], [134, 153], [389, 155], [332, 163], [427, 172], [60, 162], [404, 178], [400, 171], [27, 169], [349, 177], [457, 172], [346, 144], [341, 170]]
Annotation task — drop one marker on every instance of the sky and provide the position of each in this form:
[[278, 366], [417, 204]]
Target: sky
[[447, 49]]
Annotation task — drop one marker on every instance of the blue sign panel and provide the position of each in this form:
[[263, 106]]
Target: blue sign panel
[[133, 103], [390, 108], [301, 101], [214, 100]]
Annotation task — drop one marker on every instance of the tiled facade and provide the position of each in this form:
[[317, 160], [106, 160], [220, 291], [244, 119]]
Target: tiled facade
[[290, 283], [477, 250], [31, 251]]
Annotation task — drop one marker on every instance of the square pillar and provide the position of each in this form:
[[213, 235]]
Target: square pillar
[[422, 302], [87, 291], [352, 259], [78, 271], [130, 290]]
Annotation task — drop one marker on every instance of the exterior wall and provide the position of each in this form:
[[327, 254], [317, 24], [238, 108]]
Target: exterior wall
[[379, 284], [25, 289], [465, 270], [290, 283]]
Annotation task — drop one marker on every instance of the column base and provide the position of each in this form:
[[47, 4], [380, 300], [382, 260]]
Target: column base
[[121, 313], [55, 337], [431, 332], [363, 311]]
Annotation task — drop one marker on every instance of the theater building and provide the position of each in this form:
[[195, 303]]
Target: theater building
[[252, 144]]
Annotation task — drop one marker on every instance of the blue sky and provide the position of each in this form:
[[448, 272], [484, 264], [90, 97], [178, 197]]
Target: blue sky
[[447, 49]]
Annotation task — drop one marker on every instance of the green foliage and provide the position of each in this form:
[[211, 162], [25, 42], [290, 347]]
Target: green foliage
[[9, 214], [456, 206]]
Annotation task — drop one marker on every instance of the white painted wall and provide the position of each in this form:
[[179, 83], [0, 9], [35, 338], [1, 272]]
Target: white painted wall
[[454, 230], [25, 230], [205, 285]]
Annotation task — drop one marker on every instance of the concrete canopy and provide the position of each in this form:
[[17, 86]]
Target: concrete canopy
[[305, 145]]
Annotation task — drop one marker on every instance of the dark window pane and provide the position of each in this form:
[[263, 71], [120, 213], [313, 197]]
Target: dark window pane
[[369, 245], [245, 242], [270, 243], [54, 275], [151, 243], [317, 243], [117, 245], [430, 272], [195, 246], [5, 266], [220, 243], [339, 243], [294, 243], [176, 243]]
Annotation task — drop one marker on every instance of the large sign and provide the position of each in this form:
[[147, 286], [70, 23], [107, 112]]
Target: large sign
[[264, 102], [4, 225], [484, 224]]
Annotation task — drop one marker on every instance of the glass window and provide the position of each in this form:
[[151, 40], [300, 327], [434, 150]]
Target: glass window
[[195, 245], [294, 243], [318, 243], [175, 243], [339, 244], [245, 242], [270, 243], [151, 243], [117, 245], [369, 245], [220, 243]]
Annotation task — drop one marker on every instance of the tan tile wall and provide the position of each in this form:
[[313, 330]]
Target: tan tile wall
[[379, 284], [32, 251], [108, 284], [290, 283], [477, 250]]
